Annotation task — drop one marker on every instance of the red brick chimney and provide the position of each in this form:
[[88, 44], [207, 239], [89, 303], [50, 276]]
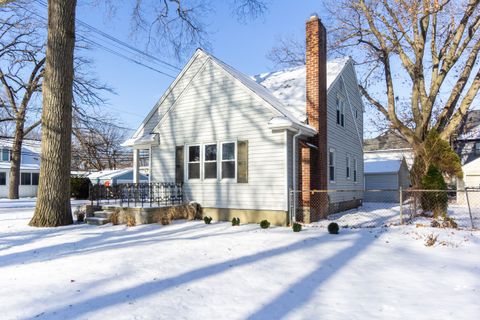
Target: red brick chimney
[[313, 162]]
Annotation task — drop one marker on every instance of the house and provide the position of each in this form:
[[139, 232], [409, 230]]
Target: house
[[239, 144], [388, 176], [29, 167], [388, 146], [113, 177]]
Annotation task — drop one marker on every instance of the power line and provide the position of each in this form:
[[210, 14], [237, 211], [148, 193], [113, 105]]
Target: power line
[[118, 41]]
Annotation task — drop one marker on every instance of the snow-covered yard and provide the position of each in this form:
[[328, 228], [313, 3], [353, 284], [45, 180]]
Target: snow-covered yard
[[190, 270]]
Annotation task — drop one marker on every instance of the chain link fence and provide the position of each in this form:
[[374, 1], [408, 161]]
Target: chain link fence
[[386, 207]]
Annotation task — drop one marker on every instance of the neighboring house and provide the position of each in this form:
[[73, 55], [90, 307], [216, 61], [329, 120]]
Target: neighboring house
[[239, 144], [390, 154], [388, 146], [385, 175], [113, 177], [29, 167]]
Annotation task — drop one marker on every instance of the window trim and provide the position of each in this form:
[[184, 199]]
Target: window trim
[[332, 151], [355, 172], [203, 161], [234, 160], [187, 160], [348, 170]]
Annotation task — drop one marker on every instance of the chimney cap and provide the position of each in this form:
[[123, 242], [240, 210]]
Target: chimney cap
[[313, 17]]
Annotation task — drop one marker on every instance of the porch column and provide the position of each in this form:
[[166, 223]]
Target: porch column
[[136, 165]]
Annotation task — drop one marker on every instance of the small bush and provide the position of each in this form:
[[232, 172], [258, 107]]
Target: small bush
[[449, 223], [207, 220], [114, 217], [235, 221], [79, 187], [431, 240], [297, 227], [130, 220], [435, 202], [80, 215], [165, 220], [264, 224], [333, 228]]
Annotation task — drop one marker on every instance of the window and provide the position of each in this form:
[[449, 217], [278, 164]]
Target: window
[[228, 160], [3, 178], [354, 169], [210, 161], [356, 113], [477, 148], [340, 111], [34, 179], [5, 155], [331, 165], [347, 163], [25, 178], [193, 162]]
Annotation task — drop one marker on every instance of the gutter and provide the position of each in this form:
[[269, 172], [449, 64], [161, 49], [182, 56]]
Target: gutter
[[294, 178]]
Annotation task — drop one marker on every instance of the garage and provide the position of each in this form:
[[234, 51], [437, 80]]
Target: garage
[[383, 179]]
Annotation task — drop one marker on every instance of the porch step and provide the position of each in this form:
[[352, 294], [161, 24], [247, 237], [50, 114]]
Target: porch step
[[102, 214], [98, 221]]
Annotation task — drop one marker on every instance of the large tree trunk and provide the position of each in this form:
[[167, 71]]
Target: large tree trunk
[[53, 203], [16, 160]]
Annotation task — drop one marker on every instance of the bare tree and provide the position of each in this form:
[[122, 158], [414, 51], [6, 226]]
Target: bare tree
[[420, 52], [288, 52], [98, 142]]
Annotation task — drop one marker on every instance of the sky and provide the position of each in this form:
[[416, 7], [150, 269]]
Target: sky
[[242, 45]]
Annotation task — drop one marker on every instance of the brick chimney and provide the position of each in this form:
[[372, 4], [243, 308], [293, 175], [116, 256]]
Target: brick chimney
[[313, 162]]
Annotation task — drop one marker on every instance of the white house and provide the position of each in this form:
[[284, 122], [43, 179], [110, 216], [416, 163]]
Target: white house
[[29, 167], [239, 143]]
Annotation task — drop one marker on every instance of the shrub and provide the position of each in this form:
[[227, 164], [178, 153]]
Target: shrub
[[79, 187], [130, 220], [207, 220], [114, 217], [264, 224], [80, 215], [297, 227], [235, 221], [333, 228], [436, 202]]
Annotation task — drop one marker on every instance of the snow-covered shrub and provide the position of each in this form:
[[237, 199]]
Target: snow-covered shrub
[[235, 221], [207, 220], [114, 217], [80, 215], [264, 224], [130, 220], [333, 228], [297, 227]]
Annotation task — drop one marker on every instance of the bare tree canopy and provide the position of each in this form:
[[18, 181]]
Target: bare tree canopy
[[288, 52]]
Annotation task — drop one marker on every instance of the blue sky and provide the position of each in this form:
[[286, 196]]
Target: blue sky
[[244, 46]]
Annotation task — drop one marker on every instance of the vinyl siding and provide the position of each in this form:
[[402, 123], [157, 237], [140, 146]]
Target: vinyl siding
[[345, 140], [216, 108]]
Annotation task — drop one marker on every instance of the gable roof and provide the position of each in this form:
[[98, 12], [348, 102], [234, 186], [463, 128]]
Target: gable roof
[[269, 91], [289, 85], [382, 166]]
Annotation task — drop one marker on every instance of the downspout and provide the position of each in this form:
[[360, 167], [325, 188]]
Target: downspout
[[294, 178]]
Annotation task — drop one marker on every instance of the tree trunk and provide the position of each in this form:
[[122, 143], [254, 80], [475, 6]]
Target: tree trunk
[[53, 202], [16, 160]]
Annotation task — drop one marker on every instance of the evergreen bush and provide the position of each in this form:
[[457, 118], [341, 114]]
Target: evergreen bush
[[79, 187], [431, 201], [297, 227], [235, 221], [207, 220], [333, 228], [264, 224]]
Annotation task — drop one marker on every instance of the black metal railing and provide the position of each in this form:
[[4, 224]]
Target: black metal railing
[[155, 194]]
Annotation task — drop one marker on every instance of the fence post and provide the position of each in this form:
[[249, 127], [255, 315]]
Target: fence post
[[469, 209], [401, 205]]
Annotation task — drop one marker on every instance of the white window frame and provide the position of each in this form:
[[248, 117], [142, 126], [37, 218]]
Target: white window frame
[[348, 169], [187, 162], [332, 150], [204, 161], [355, 172], [221, 160]]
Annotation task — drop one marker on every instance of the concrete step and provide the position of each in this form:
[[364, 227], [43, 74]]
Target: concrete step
[[97, 221], [102, 214]]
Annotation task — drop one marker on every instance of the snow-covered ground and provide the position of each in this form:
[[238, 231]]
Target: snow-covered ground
[[189, 270]]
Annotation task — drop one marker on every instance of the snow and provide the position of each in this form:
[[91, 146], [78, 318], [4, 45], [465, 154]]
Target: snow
[[189, 270], [146, 139], [382, 166], [289, 85], [390, 154]]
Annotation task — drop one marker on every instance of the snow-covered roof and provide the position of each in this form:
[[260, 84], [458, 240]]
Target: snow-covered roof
[[382, 166], [31, 145], [7, 165], [108, 174], [390, 154], [146, 139], [289, 85]]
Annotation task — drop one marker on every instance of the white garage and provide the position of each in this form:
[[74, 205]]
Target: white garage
[[383, 179]]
